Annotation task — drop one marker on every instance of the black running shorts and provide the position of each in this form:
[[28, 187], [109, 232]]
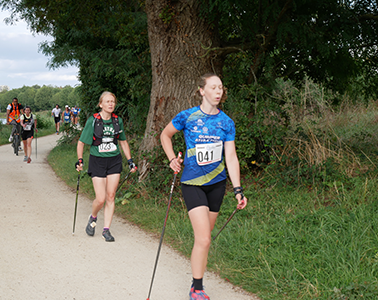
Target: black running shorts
[[26, 134], [206, 195], [104, 166]]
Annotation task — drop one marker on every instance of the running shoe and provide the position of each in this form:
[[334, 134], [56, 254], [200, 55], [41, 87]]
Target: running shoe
[[198, 295], [25, 158], [90, 229], [10, 139], [107, 236], [191, 291], [29, 160]]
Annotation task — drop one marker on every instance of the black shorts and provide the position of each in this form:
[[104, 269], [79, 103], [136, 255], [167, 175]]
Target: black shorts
[[206, 195], [26, 134], [57, 119], [104, 166]]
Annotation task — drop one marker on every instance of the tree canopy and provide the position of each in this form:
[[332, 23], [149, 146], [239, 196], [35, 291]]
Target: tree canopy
[[149, 53], [41, 98], [330, 41]]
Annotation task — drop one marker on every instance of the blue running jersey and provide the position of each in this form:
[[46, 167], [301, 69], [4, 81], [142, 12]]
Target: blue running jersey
[[204, 137]]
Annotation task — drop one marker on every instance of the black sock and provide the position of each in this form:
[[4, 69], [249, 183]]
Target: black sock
[[197, 284]]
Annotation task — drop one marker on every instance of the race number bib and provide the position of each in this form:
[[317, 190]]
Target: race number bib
[[28, 127], [209, 153], [107, 145]]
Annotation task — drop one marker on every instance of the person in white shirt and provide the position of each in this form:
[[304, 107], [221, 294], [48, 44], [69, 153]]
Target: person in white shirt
[[56, 112]]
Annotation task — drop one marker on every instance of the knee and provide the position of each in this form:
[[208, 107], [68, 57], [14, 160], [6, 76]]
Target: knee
[[203, 241], [110, 197], [100, 201]]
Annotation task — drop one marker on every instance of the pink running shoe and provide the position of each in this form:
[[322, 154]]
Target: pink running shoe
[[191, 291], [198, 295]]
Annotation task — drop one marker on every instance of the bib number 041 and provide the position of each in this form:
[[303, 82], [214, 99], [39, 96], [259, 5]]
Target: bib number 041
[[208, 153]]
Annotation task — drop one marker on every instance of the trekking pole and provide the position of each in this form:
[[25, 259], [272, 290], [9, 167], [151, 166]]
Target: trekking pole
[[124, 180], [77, 195], [36, 155], [162, 233], [228, 220]]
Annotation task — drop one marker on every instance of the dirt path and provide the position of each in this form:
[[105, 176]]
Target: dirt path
[[41, 259]]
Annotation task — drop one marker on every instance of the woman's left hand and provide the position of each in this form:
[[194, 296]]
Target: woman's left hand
[[242, 202]]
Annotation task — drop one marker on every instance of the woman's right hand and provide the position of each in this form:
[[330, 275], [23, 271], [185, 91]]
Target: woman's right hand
[[175, 163], [79, 165]]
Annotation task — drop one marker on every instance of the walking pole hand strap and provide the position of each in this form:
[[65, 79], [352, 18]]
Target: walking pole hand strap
[[79, 162], [131, 164], [239, 190]]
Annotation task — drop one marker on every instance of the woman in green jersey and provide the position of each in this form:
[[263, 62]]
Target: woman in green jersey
[[105, 134]]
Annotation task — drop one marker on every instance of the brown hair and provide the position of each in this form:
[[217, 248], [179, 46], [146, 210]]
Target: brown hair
[[105, 94], [202, 82]]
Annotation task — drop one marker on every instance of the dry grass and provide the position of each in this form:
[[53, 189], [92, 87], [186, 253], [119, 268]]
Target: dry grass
[[319, 132]]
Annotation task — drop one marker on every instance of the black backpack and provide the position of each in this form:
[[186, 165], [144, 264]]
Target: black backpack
[[99, 129]]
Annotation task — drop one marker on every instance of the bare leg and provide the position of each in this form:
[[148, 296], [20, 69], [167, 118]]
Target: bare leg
[[105, 189], [99, 185], [25, 142], [28, 150], [202, 222], [111, 187]]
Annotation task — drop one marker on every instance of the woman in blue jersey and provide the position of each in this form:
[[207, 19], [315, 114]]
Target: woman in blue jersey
[[67, 115], [210, 143]]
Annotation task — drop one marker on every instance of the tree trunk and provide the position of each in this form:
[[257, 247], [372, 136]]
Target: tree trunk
[[178, 39]]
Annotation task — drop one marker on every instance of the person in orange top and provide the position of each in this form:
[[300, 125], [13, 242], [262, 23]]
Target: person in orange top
[[14, 111]]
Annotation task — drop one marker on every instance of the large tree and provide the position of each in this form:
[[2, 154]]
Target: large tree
[[178, 39]]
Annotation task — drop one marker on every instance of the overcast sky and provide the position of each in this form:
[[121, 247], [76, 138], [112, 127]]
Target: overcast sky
[[21, 63]]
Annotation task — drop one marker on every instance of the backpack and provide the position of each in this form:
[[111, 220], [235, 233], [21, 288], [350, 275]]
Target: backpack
[[19, 107], [30, 121], [98, 131]]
